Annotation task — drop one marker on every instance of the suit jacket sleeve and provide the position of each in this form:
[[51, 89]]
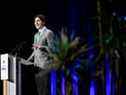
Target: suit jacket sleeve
[[51, 41]]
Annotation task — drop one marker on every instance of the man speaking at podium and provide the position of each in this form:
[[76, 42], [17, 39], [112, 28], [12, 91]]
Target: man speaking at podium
[[42, 46]]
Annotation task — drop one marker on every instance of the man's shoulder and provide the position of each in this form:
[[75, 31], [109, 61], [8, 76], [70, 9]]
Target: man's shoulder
[[49, 31]]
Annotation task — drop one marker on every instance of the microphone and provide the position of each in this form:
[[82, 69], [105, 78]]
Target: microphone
[[16, 50], [117, 53]]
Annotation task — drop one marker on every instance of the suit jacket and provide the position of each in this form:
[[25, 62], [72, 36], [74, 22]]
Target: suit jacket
[[43, 44]]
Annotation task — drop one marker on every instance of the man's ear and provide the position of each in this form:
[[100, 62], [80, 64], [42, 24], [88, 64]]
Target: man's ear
[[43, 23]]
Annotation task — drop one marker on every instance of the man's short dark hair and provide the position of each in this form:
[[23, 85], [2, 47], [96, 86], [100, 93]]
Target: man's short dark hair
[[41, 16]]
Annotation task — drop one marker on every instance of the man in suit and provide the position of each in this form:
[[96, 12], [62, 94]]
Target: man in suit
[[42, 46]]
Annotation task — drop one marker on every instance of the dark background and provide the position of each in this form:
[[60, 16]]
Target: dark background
[[16, 20]]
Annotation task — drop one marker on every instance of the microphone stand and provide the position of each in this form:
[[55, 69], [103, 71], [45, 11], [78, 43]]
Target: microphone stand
[[17, 49]]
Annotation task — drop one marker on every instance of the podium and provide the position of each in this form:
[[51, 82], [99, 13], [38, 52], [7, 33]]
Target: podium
[[18, 79]]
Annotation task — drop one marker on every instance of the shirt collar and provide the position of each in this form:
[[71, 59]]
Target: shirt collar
[[42, 29]]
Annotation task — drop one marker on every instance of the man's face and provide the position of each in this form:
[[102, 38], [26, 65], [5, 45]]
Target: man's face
[[38, 23]]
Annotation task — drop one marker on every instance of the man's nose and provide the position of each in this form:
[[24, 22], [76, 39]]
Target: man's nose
[[37, 23]]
